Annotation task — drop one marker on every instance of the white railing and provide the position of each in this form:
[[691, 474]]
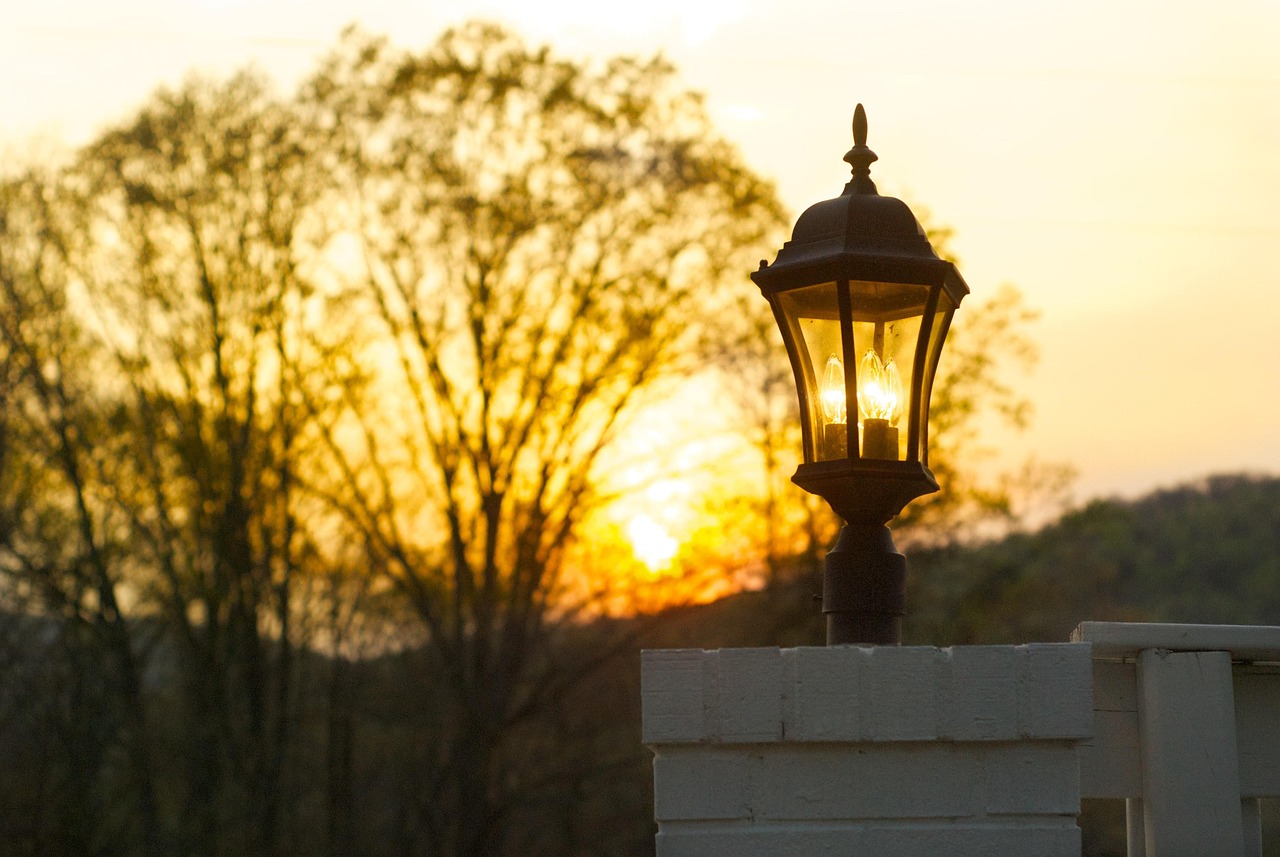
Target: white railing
[[1187, 731]]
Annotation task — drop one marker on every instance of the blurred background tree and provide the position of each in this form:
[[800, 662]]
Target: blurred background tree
[[266, 357], [532, 246]]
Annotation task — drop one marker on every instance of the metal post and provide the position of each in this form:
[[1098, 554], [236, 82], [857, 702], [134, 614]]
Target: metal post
[[864, 588]]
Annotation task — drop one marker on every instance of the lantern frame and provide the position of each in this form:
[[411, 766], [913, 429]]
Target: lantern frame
[[861, 244]]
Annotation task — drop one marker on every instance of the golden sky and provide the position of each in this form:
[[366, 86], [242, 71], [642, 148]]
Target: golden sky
[[1118, 161]]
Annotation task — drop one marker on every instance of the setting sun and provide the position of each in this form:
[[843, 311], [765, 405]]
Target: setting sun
[[651, 543]]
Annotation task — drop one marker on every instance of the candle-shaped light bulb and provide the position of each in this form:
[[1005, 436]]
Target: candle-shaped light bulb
[[879, 389], [831, 392], [833, 442], [879, 406]]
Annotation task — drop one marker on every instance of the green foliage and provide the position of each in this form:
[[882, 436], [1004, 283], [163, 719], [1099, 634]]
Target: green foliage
[[1208, 552]]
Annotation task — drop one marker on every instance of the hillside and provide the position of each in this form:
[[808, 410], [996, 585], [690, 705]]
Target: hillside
[[1202, 552]]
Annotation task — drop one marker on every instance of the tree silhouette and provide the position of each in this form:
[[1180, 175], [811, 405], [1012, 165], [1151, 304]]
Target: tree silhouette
[[536, 243]]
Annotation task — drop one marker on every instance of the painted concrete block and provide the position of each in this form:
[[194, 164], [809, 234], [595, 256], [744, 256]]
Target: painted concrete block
[[749, 695], [826, 694], [919, 693], [860, 750], [1055, 698], [1031, 778], [955, 839], [861, 782], [673, 696], [900, 693], [823, 782], [690, 784], [980, 694], [963, 839]]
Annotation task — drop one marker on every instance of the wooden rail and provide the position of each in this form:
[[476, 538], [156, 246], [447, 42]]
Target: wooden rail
[[1187, 731]]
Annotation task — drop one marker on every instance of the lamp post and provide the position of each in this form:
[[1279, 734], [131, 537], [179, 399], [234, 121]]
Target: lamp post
[[864, 304]]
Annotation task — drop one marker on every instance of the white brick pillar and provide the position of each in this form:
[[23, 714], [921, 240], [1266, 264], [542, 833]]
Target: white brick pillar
[[854, 750]]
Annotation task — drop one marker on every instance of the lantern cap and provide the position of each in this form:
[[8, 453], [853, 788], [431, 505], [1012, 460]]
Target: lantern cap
[[859, 235]]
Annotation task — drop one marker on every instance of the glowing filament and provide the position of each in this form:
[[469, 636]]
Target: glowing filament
[[831, 392], [879, 389]]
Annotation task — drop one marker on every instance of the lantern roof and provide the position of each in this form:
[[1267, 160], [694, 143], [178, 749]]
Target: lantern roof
[[859, 235]]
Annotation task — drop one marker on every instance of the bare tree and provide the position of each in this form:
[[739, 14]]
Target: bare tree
[[533, 239], [290, 369], [61, 546], [192, 224]]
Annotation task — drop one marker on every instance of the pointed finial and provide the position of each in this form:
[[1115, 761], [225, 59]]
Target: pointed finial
[[859, 126], [860, 157]]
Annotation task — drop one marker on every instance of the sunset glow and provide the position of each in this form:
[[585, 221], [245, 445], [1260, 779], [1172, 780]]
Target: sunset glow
[[651, 543]]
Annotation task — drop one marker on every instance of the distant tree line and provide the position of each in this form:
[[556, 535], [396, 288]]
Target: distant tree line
[[1204, 552]]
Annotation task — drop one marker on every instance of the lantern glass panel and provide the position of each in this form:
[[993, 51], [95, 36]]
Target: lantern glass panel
[[886, 335], [941, 322], [812, 317]]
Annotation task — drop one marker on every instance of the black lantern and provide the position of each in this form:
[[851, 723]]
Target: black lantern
[[864, 304]]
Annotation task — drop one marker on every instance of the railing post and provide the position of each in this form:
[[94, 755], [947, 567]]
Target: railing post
[[1251, 813], [1190, 771], [1135, 828]]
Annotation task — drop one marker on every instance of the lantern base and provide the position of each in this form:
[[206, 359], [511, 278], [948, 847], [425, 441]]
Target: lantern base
[[866, 491], [864, 588]]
